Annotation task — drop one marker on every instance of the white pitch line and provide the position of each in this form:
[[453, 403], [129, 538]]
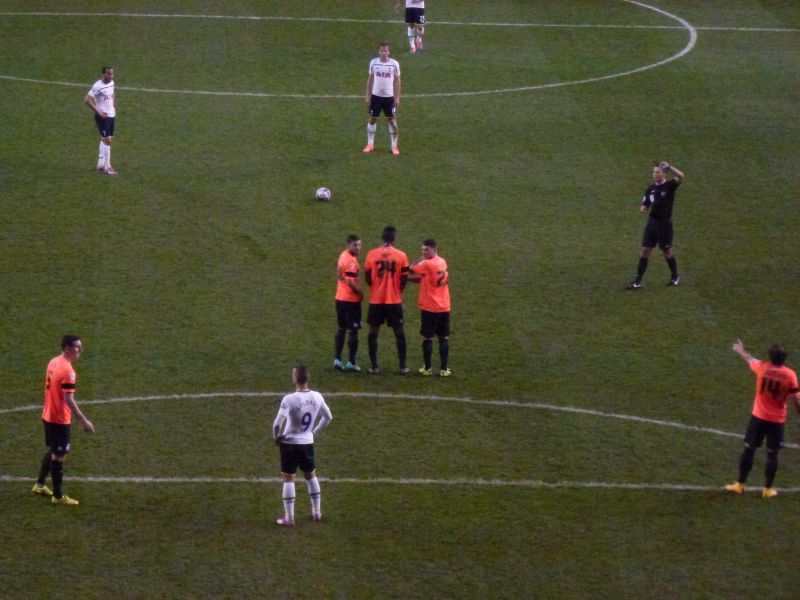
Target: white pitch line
[[386, 22], [465, 482], [418, 397], [683, 25]]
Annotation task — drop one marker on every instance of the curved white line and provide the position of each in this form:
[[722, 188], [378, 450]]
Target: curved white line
[[420, 397], [684, 24]]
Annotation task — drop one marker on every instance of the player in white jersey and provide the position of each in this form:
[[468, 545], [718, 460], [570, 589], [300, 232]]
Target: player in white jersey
[[415, 20], [383, 94], [293, 432], [101, 100]]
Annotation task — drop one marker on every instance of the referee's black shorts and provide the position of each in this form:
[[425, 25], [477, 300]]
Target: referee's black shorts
[[657, 233]]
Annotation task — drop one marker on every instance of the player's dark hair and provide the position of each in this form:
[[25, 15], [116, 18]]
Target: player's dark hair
[[352, 238], [389, 234], [386, 44], [301, 374], [68, 340], [430, 243], [777, 354], [106, 68]]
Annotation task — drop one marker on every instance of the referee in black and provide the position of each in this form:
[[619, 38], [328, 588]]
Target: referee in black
[[659, 198]]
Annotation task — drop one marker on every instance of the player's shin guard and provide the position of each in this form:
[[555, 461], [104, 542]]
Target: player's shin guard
[[640, 269], [673, 266], [288, 499], [352, 345], [339, 343], [444, 352], [57, 473], [770, 468], [427, 353], [746, 463], [372, 344], [371, 129], [314, 494], [44, 470], [401, 349]]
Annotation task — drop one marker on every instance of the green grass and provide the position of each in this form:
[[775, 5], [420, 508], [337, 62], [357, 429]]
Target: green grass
[[207, 267]]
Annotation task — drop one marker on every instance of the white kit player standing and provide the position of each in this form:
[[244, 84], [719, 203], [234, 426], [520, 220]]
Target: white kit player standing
[[383, 95], [293, 432], [101, 100], [415, 20]]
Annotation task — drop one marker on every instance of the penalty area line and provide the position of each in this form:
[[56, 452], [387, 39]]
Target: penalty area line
[[463, 482]]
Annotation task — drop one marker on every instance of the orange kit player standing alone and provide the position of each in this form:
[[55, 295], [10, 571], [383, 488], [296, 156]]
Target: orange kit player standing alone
[[59, 404], [434, 303], [386, 270], [775, 385]]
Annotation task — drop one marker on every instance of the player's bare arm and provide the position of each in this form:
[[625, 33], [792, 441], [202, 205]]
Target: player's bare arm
[[88, 427], [738, 347], [89, 101], [353, 285], [397, 90], [368, 93]]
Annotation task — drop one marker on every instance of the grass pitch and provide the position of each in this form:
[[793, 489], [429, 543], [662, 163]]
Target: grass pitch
[[207, 267]]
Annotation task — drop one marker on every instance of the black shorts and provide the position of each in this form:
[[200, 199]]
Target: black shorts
[[758, 429], [434, 324], [657, 233], [348, 315], [382, 103], [415, 16], [297, 455], [104, 125], [57, 437], [391, 314]]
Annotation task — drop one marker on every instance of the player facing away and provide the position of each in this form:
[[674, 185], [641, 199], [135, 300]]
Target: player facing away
[[415, 21], [386, 270], [383, 94], [293, 432], [348, 305], [59, 405], [434, 303], [775, 385], [659, 198], [101, 100]]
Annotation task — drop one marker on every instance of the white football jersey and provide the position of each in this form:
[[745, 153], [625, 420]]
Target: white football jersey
[[415, 3], [103, 94], [384, 74], [300, 409]]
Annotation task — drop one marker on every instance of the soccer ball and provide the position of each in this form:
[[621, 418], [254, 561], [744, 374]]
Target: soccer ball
[[323, 194]]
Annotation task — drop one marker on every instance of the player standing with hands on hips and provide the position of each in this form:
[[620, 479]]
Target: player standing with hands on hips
[[101, 100], [659, 198], [383, 94], [293, 432], [775, 385]]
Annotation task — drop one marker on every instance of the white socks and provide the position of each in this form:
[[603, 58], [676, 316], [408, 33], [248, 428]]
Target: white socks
[[393, 135], [371, 129], [101, 156], [411, 38], [288, 499], [313, 491]]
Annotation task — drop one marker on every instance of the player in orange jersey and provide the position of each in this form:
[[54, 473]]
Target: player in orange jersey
[[434, 303], [348, 304], [775, 385], [59, 404], [386, 270]]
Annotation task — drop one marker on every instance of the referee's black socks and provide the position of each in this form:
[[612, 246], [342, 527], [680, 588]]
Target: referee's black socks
[[673, 266]]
